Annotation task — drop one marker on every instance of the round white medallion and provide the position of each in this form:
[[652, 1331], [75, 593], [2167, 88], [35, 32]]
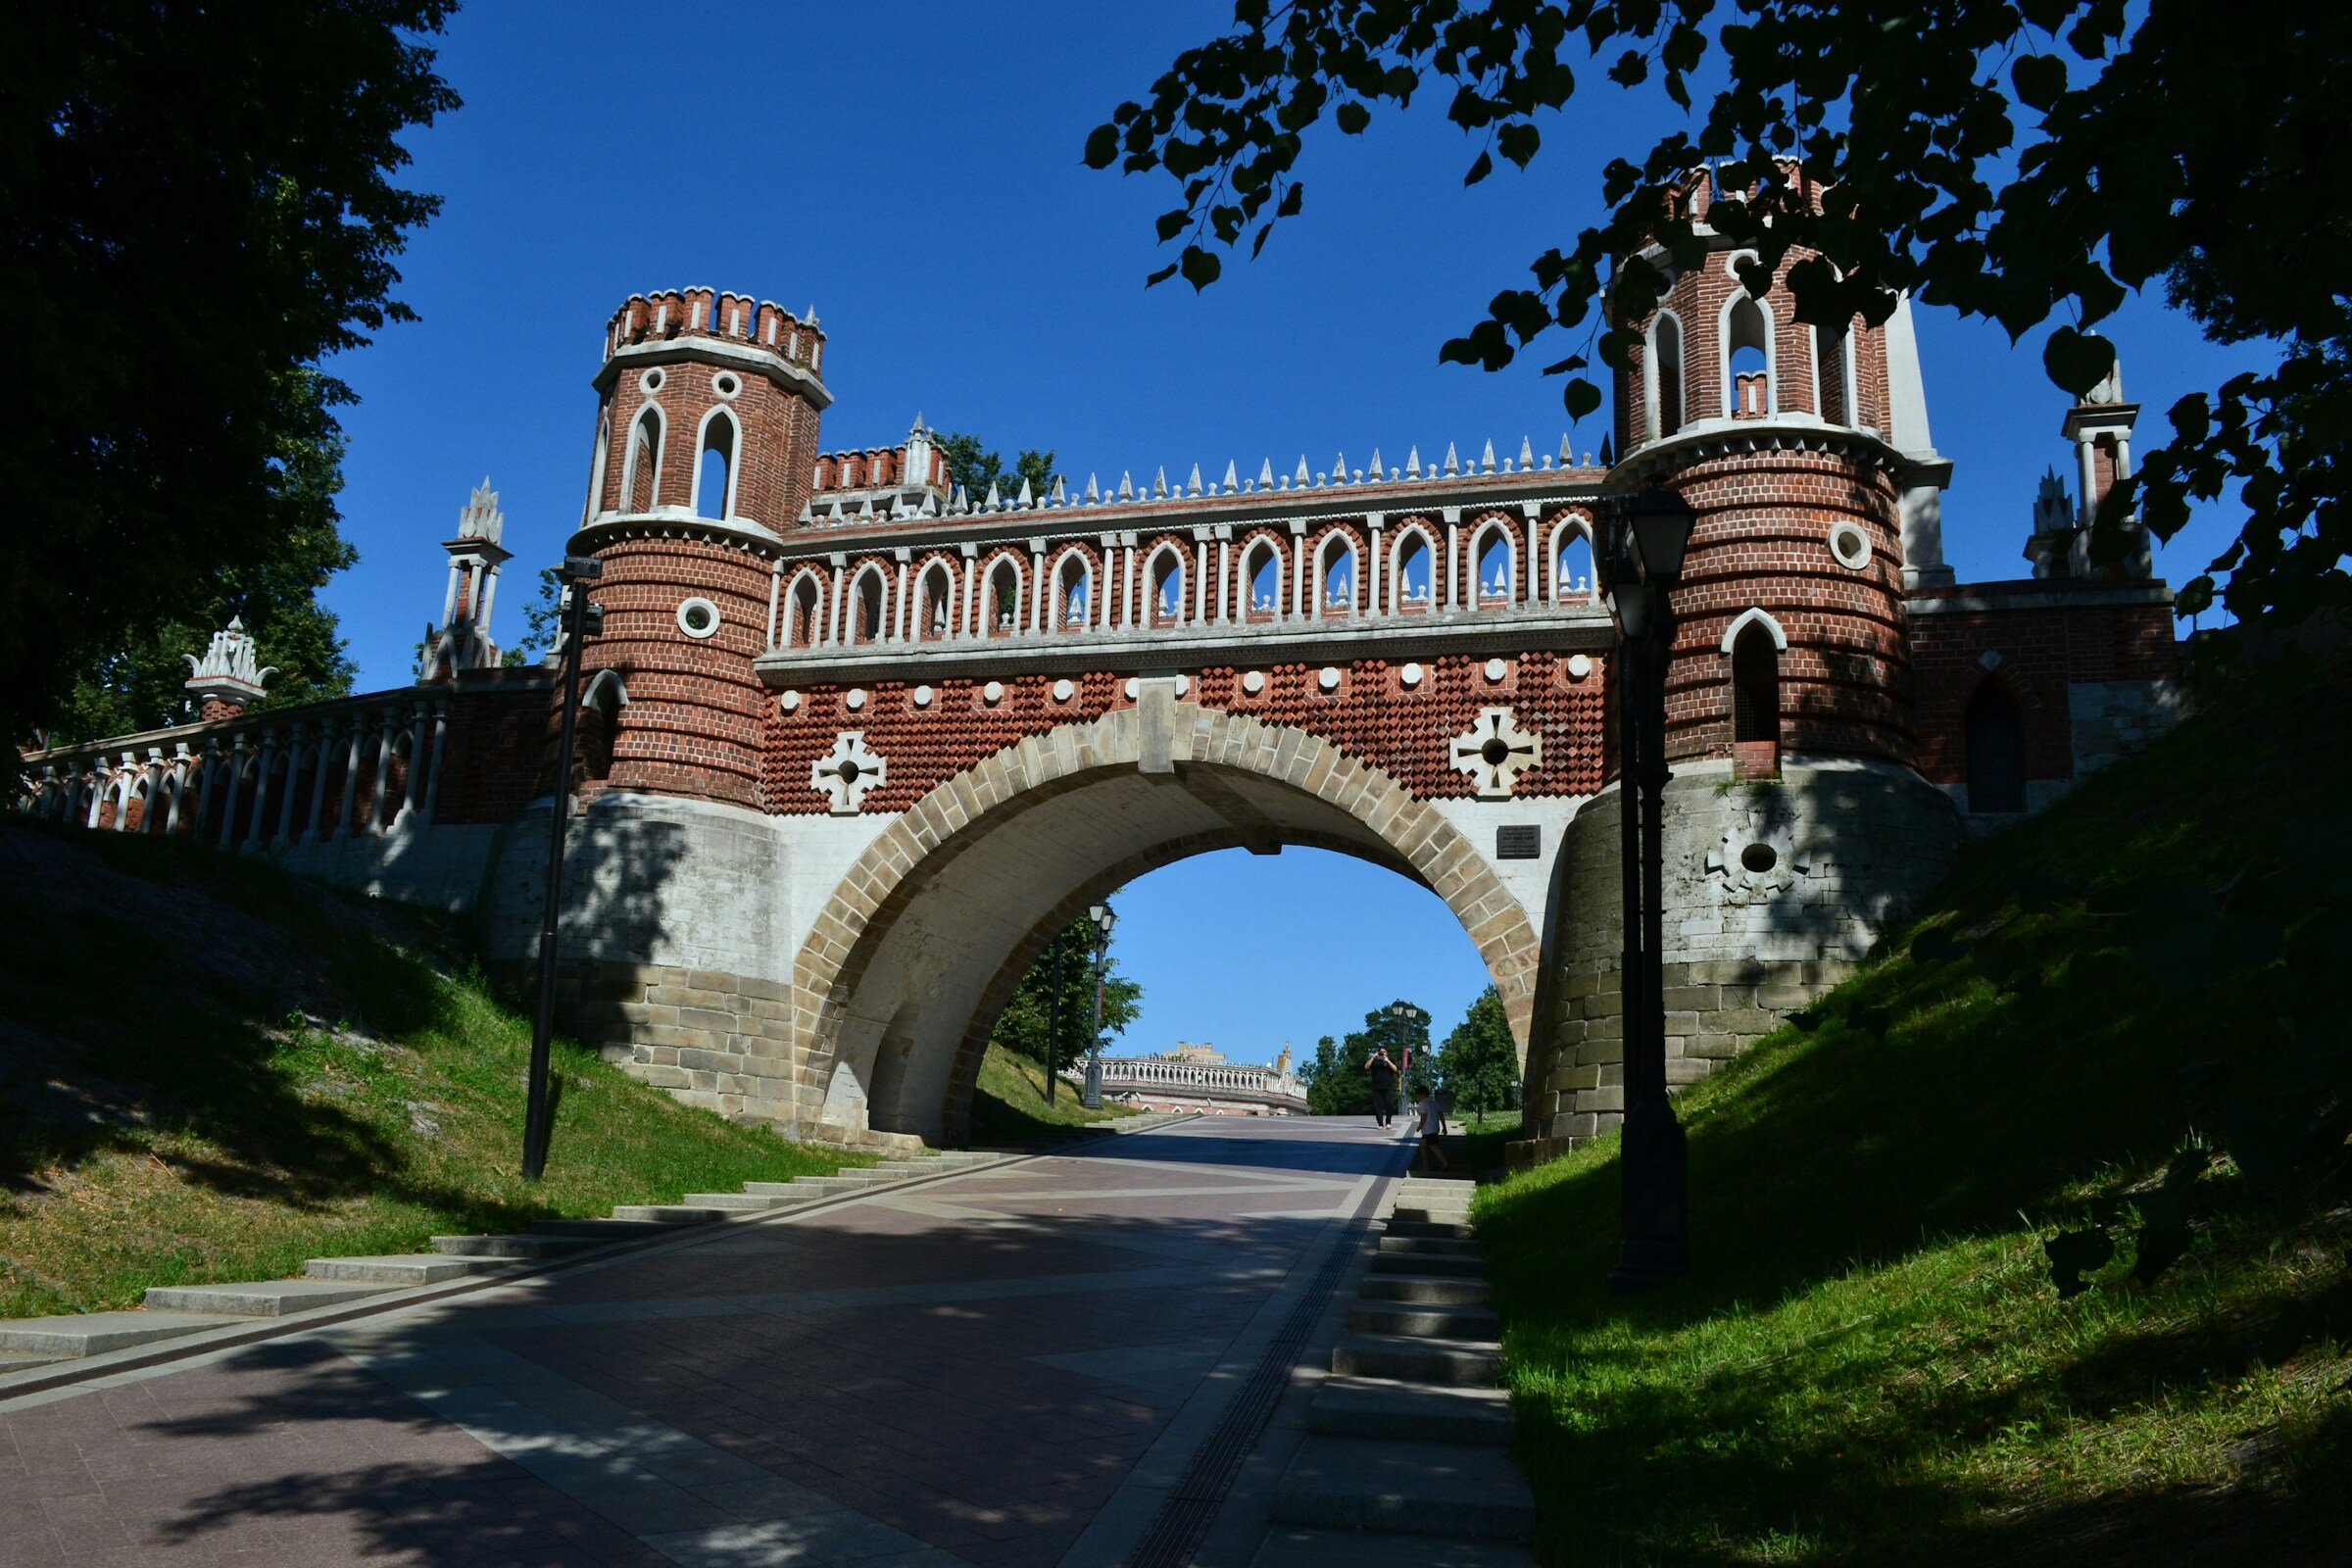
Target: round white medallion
[[1579, 666], [1409, 676], [726, 383], [698, 617], [923, 697], [789, 703], [1133, 686], [1496, 669], [993, 691], [1850, 545], [1254, 682], [1063, 691], [853, 699], [650, 380], [1329, 679]]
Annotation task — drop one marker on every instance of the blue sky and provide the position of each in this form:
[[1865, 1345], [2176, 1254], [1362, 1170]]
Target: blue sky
[[912, 171]]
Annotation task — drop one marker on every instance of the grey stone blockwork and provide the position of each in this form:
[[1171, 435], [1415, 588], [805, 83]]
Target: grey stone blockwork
[[2113, 718], [1774, 892]]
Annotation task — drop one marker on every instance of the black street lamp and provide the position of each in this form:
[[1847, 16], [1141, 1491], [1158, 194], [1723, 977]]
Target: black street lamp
[[581, 621], [1650, 533], [1103, 917], [1406, 1015]]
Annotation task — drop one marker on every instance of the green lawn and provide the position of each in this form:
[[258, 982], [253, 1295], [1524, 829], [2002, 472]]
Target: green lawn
[[1008, 1105], [1868, 1362], [209, 1070]]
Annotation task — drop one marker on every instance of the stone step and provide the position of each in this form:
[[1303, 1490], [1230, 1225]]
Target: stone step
[[1424, 1322], [25, 1362], [1399, 1226], [79, 1334], [616, 1229], [1425, 1412], [258, 1297], [1438, 1208], [870, 1175], [1452, 1194], [1428, 1264], [1453, 1491], [1424, 1290], [1460, 1363], [512, 1249], [422, 1268], [667, 1213], [1290, 1547], [1432, 1246], [739, 1202], [806, 1187]]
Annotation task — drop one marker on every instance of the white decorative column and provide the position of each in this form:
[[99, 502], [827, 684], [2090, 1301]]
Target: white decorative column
[[236, 784], [432, 788], [413, 798], [384, 730], [1375, 602], [285, 809], [1297, 570], [969, 619], [351, 780], [1037, 586], [833, 622], [318, 828], [905, 558], [1454, 529], [260, 833], [776, 590], [204, 790]]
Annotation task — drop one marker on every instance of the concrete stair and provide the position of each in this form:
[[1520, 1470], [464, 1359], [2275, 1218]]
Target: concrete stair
[[259, 1298], [1425, 1290], [175, 1310], [1425, 1265], [1407, 1455]]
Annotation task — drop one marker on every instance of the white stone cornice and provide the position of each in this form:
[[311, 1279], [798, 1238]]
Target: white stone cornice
[[1561, 627], [742, 355], [1704, 439]]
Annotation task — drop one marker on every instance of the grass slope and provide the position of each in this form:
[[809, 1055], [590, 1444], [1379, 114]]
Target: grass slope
[[211, 1070], [1867, 1362], [1008, 1104]]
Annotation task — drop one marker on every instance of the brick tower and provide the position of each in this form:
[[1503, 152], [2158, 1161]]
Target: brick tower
[[705, 449], [1795, 821]]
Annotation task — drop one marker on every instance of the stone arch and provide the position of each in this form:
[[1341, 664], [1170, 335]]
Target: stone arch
[[953, 900]]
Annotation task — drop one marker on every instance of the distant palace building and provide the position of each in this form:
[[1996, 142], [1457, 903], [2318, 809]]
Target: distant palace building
[[1198, 1078]]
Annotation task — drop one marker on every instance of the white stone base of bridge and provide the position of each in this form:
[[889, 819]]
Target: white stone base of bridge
[[1775, 892]]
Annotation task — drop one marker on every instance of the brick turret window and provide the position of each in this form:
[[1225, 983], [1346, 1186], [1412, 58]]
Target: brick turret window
[[1996, 750], [806, 620], [1264, 575], [1412, 572], [714, 470], [871, 625], [1833, 385], [1755, 687], [1747, 359], [641, 484], [1666, 376]]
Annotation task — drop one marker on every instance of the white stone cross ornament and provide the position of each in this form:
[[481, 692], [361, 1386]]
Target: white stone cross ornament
[[1495, 751], [847, 771]]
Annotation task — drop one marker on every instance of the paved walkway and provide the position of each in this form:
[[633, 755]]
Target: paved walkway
[[1009, 1367]]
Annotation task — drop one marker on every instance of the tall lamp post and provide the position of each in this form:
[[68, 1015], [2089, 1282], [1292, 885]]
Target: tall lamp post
[[1406, 1015], [1649, 535], [1103, 916], [581, 621]]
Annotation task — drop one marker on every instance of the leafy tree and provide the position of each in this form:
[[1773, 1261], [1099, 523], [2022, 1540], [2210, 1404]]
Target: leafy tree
[[976, 467], [2028, 161], [198, 207], [1023, 1024], [1478, 1062], [1336, 1086], [142, 685], [542, 618]]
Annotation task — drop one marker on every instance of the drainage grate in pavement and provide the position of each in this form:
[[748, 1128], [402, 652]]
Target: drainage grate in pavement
[[1184, 1519]]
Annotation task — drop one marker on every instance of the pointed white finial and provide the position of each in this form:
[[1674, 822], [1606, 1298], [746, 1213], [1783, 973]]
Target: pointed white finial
[[1062, 495], [956, 500], [1412, 464], [992, 503], [1301, 477], [1126, 485], [1231, 478], [810, 319], [806, 514], [865, 507], [1339, 468], [1453, 465], [1265, 474], [1026, 498], [1160, 482], [1567, 454], [835, 514], [1377, 472], [1194, 487], [1486, 464], [1094, 491], [1526, 453], [930, 505]]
